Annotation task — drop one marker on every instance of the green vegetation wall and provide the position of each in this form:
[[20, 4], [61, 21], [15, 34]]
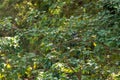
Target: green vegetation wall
[[60, 39]]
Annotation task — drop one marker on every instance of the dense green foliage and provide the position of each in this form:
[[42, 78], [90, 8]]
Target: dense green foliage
[[60, 40]]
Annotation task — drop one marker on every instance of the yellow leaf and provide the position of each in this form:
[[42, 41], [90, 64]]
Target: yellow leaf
[[94, 44], [66, 70], [35, 66], [29, 68], [1, 76], [19, 75]]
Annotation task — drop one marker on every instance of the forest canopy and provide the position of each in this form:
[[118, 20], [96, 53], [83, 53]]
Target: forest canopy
[[60, 39]]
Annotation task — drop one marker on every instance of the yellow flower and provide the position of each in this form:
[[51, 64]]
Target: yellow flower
[[8, 66]]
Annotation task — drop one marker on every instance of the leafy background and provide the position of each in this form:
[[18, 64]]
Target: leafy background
[[60, 40]]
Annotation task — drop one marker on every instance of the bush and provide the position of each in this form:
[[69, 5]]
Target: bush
[[61, 40]]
